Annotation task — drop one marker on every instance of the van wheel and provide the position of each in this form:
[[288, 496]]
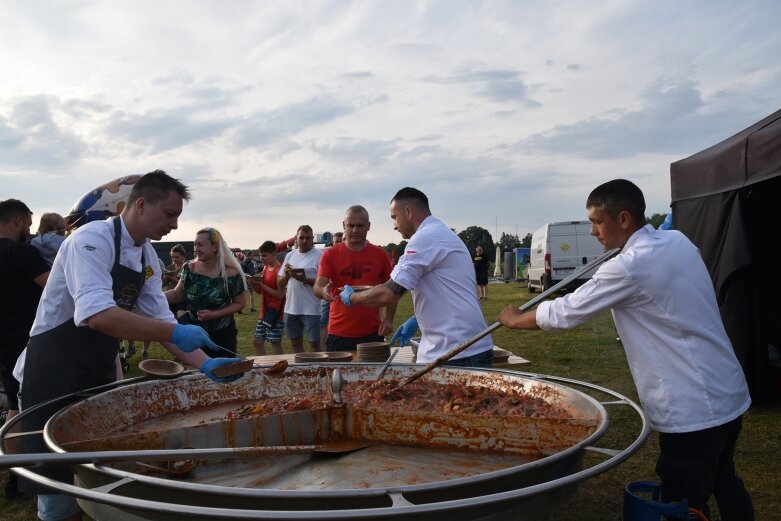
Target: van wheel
[[529, 286], [544, 285]]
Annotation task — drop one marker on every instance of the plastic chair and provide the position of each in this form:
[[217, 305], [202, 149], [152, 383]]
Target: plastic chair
[[639, 507]]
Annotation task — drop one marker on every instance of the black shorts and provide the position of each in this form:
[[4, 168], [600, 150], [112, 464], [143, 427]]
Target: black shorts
[[482, 278], [226, 338], [341, 343]]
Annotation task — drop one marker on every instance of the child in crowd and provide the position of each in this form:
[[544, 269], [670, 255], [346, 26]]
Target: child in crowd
[[272, 301]]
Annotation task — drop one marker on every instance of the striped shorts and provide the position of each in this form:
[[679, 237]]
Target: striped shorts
[[271, 333]]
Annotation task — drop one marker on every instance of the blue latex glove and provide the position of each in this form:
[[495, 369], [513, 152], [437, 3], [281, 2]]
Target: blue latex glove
[[211, 364], [188, 338], [345, 296], [405, 332]]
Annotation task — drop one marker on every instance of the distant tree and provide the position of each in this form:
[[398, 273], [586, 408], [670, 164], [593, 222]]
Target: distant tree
[[475, 235], [527, 241], [509, 242], [398, 247], [656, 219]]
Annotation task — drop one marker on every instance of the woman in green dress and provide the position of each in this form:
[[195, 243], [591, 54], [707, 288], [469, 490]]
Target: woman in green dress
[[213, 287]]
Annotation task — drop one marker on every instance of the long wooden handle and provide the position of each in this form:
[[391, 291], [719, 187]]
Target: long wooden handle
[[45, 458], [496, 325]]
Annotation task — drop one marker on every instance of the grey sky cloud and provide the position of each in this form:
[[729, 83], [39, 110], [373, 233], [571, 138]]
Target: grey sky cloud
[[161, 130], [357, 75], [84, 107], [265, 127], [371, 152], [505, 114], [177, 77], [671, 120], [498, 85], [30, 137]]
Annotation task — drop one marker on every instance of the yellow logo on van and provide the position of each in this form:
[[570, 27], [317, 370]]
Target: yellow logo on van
[[564, 247]]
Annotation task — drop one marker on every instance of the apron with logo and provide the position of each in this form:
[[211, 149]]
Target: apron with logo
[[68, 359]]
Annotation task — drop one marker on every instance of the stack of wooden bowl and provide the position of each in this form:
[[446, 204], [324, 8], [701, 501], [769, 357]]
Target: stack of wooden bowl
[[373, 351]]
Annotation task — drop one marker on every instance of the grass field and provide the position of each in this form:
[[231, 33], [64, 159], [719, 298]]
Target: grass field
[[588, 353]]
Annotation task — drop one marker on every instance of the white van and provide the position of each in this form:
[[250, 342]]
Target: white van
[[557, 250]]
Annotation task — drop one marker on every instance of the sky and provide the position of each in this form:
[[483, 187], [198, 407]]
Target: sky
[[277, 114]]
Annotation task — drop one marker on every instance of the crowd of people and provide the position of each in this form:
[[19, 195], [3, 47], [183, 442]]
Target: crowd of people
[[70, 300]]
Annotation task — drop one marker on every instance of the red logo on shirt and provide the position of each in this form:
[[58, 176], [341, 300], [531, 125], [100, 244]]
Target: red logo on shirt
[[410, 252]]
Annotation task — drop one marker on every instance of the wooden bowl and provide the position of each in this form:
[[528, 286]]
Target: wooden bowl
[[374, 347], [160, 368], [339, 356], [311, 357]]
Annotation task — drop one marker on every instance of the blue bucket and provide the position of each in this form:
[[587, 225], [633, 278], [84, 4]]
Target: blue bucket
[[641, 503]]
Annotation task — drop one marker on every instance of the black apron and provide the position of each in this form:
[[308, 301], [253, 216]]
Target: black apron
[[68, 359]]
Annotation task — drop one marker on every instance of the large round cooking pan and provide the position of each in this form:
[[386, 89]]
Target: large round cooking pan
[[419, 463]]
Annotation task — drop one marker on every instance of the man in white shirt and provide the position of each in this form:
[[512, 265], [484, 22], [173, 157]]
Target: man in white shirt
[[688, 378], [101, 272], [437, 268], [302, 307]]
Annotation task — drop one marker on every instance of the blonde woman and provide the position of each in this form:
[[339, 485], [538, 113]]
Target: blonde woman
[[213, 287]]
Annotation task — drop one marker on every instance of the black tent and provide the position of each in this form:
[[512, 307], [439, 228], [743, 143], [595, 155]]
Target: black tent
[[723, 200]]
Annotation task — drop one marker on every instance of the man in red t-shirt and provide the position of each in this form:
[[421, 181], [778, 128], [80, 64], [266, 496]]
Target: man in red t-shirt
[[354, 262], [272, 301]]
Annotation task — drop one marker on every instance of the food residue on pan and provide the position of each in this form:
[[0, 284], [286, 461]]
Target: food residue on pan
[[417, 396]]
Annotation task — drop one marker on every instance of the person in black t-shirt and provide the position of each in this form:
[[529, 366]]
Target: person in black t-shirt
[[23, 273]]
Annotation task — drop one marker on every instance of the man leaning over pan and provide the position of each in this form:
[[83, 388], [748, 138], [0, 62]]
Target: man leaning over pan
[[102, 270]]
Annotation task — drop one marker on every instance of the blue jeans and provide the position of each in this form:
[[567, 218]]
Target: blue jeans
[[484, 359], [52, 507]]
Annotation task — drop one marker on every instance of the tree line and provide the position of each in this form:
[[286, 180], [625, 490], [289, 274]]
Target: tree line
[[476, 235]]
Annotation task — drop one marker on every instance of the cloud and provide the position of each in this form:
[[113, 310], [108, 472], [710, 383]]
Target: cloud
[[160, 130], [497, 85], [278, 114], [369, 152], [31, 137], [357, 75], [673, 118], [267, 126]]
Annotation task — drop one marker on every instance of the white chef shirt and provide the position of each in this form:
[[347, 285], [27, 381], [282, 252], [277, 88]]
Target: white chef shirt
[[80, 284], [437, 268], [664, 307], [301, 298]]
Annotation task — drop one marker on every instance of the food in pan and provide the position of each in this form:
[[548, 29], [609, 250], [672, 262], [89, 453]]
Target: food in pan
[[425, 396]]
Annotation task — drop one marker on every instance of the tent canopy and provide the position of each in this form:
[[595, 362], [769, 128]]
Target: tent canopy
[[748, 157], [724, 200]]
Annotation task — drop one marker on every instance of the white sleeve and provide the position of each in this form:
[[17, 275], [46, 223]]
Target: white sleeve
[[285, 261], [417, 260], [19, 367], [609, 286], [88, 273]]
